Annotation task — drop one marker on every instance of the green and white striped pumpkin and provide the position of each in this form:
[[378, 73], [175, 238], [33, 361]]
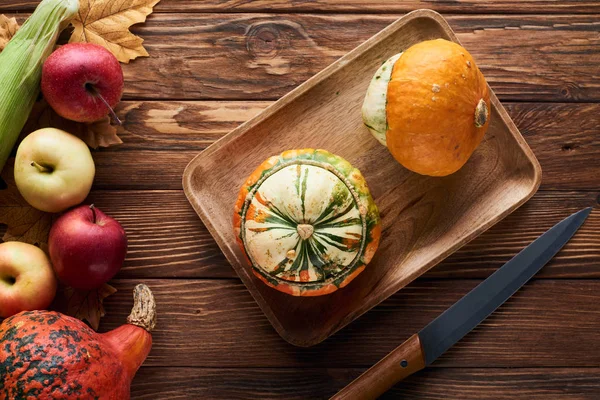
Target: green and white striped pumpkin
[[306, 222]]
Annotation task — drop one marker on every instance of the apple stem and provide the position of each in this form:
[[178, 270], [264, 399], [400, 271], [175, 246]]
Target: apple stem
[[41, 168], [93, 212], [92, 89]]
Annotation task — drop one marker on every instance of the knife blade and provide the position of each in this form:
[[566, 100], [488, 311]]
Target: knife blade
[[421, 349]]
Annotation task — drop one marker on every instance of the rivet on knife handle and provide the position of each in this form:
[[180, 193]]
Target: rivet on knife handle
[[405, 360]]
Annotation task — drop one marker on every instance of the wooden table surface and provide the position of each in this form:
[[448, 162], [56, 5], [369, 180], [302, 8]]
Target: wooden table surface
[[216, 63]]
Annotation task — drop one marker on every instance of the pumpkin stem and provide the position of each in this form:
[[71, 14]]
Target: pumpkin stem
[[481, 114], [143, 313], [305, 230]]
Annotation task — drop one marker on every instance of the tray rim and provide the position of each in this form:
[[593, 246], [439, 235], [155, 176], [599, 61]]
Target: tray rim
[[299, 91]]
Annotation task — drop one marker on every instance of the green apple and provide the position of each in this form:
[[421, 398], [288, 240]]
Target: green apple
[[54, 170], [27, 280]]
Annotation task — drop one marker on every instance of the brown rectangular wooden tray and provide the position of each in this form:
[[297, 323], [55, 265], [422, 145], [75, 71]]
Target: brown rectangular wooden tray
[[424, 219]]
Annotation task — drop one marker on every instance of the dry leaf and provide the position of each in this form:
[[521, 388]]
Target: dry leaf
[[95, 134], [8, 28], [87, 304], [24, 223], [99, 134], [107, 22]]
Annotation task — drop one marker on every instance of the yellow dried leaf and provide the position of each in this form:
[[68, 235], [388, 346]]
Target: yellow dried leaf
[[86, 304], [107, 22], [95, 134], [8, 28], [24, 223]]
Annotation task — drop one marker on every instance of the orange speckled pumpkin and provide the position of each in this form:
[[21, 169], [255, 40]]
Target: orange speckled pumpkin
[[47, 355], [438, 108]]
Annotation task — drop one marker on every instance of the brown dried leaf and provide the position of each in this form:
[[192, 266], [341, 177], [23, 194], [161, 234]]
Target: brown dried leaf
[[24, 223], [94, 134], [99, 134], [107, 23], [8, 28], [87, 304]]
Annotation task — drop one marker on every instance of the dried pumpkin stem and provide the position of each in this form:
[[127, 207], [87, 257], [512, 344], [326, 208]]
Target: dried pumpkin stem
[[305, 231], [481, 114], [143, 313]]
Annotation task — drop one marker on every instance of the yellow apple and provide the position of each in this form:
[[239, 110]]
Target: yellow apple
[[27, 280], [54, 170]]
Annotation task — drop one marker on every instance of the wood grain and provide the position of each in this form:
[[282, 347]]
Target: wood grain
[[579, 258], [216, 323], [562, 135], [424, 219], [180, 125], [264, 56], [165, 236], [167, 240], [229, 384], [320, 383], [162, 137], [554, 131], [339, 6]]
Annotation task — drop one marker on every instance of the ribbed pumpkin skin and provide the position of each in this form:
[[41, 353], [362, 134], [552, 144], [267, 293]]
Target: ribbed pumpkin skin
[[47, 355], [300, 188], [431, 106]]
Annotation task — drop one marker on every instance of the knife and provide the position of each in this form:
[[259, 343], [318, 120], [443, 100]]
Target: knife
[[423, 348]]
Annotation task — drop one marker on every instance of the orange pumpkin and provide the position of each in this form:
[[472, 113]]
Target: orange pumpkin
[[438, 108]]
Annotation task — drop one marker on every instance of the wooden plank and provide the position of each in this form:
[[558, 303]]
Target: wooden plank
[[162, 137], [379, 6], [180, 125], [167, 239], [216, 323], [321, 383], [579, 258], [140, 169], [253, 56], [562, 135], [248, 383], [264, 56]]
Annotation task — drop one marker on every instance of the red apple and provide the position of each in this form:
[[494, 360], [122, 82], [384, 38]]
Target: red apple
[[87, 247], [82, 81], [27, 281]]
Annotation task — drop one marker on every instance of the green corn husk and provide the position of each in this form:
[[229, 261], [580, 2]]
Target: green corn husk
[[21, 67]]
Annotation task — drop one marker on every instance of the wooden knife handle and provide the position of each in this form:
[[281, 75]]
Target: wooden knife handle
[[403, 361]]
